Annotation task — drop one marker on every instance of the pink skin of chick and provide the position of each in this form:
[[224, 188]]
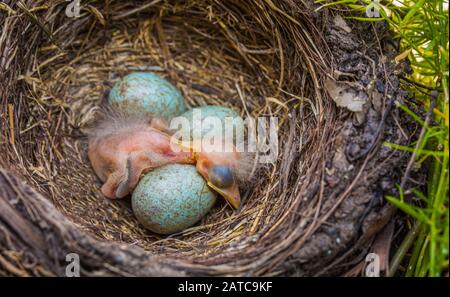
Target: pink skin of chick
[[121, 150]]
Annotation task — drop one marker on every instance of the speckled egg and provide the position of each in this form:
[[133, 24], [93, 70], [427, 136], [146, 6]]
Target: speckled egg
[[207, 126], [147, 93], [171, 198]]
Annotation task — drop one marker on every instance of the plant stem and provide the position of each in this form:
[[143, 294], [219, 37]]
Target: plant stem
[[404, 247]]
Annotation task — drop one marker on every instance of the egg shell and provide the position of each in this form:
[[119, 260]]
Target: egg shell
[[147, 93], [221, 112], [171, 198]]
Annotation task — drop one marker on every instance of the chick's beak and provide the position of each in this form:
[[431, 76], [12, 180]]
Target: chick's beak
[[231, 194], [221, 179]]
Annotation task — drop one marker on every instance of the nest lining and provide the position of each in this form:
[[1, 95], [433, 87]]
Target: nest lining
[[249, 56], [196, 57]]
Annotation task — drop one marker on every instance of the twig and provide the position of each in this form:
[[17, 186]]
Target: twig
[[420, 85], [134, 11], [11, 124], [36, 21]]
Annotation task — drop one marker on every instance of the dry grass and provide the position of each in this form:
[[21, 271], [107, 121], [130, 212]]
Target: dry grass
[[252, 56]]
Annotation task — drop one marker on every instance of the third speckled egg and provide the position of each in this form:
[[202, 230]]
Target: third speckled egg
[[171, 198]]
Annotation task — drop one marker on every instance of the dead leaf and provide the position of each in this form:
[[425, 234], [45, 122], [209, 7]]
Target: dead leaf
[[345, 96], [382, 245], [342, 24], [402, 56]]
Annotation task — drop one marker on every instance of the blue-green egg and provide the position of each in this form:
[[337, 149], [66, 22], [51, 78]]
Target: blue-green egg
[[171, 198], [147, 93], [211, 120]]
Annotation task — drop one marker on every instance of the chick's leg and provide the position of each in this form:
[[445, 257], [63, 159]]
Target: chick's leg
[[142, 162], [123, 188], [109, 187], [121, 183], [136, 164], [117, 184]]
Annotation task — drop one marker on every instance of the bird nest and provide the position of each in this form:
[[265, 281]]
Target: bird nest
[[312, 212]]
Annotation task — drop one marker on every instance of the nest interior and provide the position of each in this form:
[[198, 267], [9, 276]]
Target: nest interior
[[260, 58]]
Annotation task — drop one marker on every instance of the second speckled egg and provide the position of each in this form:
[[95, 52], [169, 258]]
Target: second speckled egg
[[171, 198], [200, 126]]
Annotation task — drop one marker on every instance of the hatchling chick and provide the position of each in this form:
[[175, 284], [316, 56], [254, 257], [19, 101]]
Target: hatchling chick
[[123, 148]]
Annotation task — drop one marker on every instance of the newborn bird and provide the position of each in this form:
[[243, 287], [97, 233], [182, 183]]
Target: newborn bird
[[122, 148]]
